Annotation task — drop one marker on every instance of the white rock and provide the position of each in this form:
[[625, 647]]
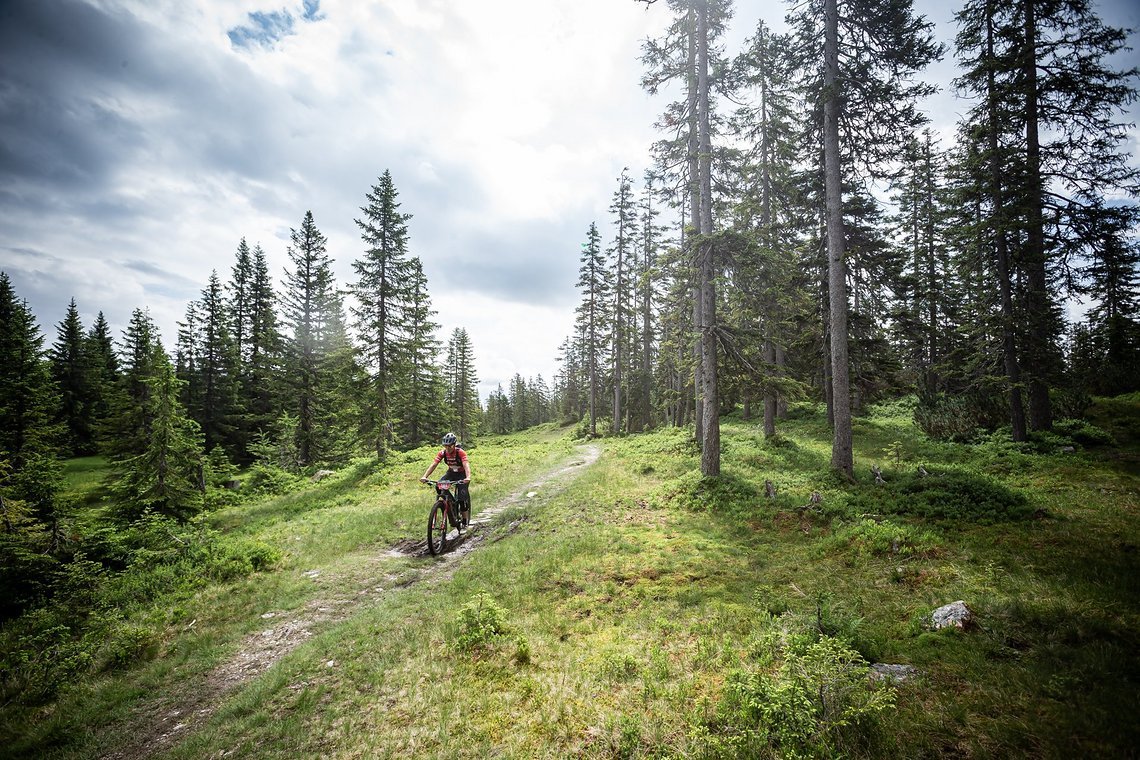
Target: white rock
[[955, 614], [881, 671]]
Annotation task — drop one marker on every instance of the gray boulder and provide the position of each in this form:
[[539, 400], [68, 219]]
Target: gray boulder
[[955, 614]]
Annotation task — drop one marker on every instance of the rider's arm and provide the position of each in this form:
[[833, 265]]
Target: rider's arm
[[431, 469], [467, 467]]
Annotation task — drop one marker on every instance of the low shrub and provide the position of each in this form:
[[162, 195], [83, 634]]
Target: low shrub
[[724, 493], [271, 480], [817, 696], [950, 495], [1083, 433], [868, 538], [958, 417], [482, 623]]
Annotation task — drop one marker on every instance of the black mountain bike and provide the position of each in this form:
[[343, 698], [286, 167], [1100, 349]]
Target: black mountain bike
[[444, 516]]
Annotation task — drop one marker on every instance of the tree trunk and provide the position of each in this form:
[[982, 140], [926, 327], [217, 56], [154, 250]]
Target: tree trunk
[[1009, 347], [1037, 297], [841, 447], [769, 395], [781, 371], [695, 225], [710, 396]]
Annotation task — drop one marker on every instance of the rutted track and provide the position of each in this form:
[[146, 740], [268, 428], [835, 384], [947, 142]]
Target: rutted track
[[159, 730]]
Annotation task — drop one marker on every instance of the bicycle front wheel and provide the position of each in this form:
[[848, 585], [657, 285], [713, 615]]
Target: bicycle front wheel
[[437, 527]]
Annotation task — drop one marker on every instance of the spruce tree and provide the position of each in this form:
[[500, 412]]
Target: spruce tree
[[166, 476], [239, 301], [28, 398], [463, 408], [647, 276], [382, 294], [30, 471], [421, 394], [127, 429], [308, 305], [860, 57], [624, 216], [72, 376], [262, 368], [218, 371], [593, 317], [103, 364]]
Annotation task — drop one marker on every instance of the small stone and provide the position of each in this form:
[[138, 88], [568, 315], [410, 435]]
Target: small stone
[[268, 615], [955, 614], [531, 494], [882, 671], [330, 663]]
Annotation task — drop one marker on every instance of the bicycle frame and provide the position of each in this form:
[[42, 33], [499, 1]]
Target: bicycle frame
[[444, 513]]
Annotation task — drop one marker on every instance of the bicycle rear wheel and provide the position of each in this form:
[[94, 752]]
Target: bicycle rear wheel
[[437, 527]]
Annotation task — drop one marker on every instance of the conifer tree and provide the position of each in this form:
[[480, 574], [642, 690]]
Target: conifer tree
[[382, 294], [309, 304], [623, 330], [28, 398], [166, 476], [127, 430], [72, 377], [218, 373], [861, 56], [647, 296], [239, 301], [30, 473], [463, 408], [498, 419], [1113, 322], [99, 348], [768, 211], [262, 367], [1052, 104], [421, 392], [593, 317]]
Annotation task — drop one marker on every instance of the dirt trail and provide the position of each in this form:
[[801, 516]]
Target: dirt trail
[[169, 722]]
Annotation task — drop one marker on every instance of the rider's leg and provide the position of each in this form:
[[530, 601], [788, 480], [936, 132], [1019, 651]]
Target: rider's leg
[[465, 503]]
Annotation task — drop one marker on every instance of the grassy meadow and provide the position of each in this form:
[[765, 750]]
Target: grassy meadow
[[643, 611]]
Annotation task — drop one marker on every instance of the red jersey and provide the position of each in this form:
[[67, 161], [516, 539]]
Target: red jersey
[[455, 460]]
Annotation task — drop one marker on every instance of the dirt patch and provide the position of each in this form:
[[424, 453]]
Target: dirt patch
[[164, 724]]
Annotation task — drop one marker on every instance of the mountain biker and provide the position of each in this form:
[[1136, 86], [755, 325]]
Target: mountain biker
[[458, 471]]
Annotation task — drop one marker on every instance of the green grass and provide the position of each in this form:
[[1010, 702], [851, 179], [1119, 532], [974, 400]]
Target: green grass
[[647, 612], [83, 478]]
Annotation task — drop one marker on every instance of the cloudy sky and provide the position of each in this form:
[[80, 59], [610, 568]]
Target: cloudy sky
[[140, 140]]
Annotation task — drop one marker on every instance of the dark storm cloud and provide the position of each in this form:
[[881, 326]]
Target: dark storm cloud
[[87, 95], [55, 124]]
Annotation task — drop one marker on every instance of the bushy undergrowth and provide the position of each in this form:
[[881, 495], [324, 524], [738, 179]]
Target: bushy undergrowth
[[959, 417], [100, 613], [800, 695], [869, 538], [482, 625], [695, 492], [947, 495]]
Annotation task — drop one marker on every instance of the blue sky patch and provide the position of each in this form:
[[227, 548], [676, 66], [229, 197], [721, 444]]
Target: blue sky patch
[[267, 27]]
